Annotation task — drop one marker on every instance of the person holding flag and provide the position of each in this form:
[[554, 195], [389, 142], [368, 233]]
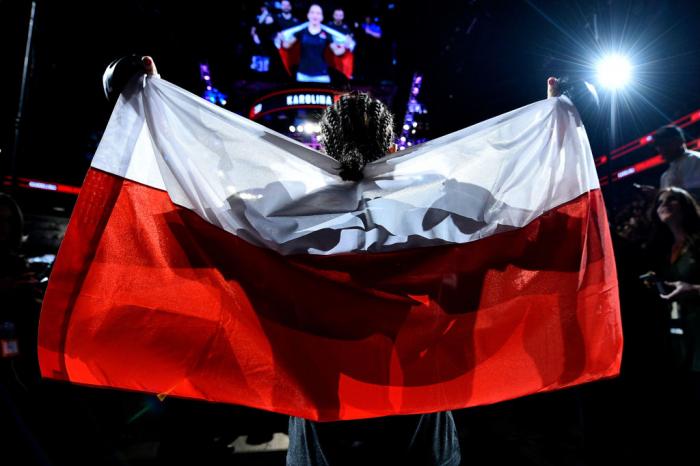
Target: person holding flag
[[351, 285], [307, 44]]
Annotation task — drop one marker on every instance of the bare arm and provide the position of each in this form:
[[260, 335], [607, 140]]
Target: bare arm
[[681, 289]]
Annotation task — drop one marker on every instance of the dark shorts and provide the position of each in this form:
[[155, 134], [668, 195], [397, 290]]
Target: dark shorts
[[421, 439]]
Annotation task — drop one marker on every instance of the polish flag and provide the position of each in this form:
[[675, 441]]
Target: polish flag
[[210, 257]]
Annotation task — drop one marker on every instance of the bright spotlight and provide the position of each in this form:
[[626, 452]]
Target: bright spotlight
[[614, 71]]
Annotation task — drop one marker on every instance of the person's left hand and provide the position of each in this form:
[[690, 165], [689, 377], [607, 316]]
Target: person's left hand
[[681, 289], [553, 87], [349, 42]]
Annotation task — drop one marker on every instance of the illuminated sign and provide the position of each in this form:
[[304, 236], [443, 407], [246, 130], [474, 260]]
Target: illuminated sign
[[27, 183], [309, 99], [292, 99]]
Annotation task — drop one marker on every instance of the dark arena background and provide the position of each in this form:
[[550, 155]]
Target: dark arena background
[[440, 66]]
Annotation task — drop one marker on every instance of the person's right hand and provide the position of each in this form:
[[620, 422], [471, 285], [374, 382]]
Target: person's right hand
[[149, 65], [649, 279]]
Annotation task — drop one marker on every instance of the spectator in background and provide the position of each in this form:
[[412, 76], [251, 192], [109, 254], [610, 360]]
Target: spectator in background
[[371, 55], [285, 19], [12, 270], [19, 297], [337, 23], [676, 218], [371, 28], [684, 165], [262, 26], [11, 224], [262, 33]]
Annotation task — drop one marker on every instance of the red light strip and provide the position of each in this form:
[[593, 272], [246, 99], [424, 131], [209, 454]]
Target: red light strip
[[27, 183], [646, 164], [638, 167], [648, 138]]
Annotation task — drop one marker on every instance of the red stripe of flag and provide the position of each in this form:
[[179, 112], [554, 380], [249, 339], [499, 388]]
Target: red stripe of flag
[[148, 296]]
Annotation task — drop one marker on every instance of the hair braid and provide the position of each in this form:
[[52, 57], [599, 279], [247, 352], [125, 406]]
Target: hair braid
[[356, 130], [331, 125]]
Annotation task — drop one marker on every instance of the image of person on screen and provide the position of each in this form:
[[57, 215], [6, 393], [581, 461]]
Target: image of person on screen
[[313, 41]]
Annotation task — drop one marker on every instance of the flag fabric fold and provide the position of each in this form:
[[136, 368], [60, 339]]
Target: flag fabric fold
[[213, 258]]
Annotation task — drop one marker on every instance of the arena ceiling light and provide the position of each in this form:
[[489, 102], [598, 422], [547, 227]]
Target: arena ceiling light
[[614, 71]]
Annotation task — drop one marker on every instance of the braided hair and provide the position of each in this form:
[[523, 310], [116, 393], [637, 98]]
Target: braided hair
[[356, 130]]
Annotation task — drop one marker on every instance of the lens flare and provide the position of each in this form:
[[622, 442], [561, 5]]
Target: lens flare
[[614, 71]]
